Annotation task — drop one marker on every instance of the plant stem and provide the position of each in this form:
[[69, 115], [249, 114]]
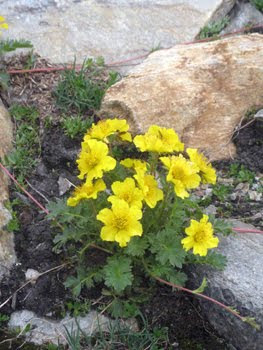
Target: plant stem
[[229, 309]]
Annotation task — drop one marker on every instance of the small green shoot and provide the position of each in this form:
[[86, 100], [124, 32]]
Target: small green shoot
[[202, 287], [31, 60], [213, 29], [13, 224], [221, 191], [3, 319], [77, 307], [75, 126], [241, 173]]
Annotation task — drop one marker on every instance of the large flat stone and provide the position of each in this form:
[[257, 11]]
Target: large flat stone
[[115, 29], [240, 285], [202, 90]]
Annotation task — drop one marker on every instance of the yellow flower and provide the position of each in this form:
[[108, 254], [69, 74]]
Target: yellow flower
[[99, 131], [207, 172], [104, 128], [3, 24], [136, 164], [94, 159], [120, 223], [158, 139], [127, 191], [86, 191], [182, 173], [200, 237], [121, 127], [149, 187]]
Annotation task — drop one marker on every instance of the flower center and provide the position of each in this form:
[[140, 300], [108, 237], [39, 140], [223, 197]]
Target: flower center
[[178, 173], [127, 197], [121, 222], [92, 160], [200, 236]]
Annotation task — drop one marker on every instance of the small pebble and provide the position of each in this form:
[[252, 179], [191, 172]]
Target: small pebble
[[255, 196], [32, 274]]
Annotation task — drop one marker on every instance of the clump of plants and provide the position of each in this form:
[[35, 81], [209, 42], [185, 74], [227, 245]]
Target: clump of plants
[[75, 126], [241, 173], [27, 144], [137, 213], [213, 29], [81, 91]]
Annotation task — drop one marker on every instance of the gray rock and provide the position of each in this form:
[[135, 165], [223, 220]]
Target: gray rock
[[259, 114], [61, 30], [210, 210], [240, 285], [64, 185], [44, 330], [245, 14]]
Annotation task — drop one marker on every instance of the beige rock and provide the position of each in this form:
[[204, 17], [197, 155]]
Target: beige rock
[[6, 131], [7, 252], [201, 90]]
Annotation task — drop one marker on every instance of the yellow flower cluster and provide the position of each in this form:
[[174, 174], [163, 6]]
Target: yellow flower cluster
[[3, 24], [158, 139], [187, 174], [122, 220]]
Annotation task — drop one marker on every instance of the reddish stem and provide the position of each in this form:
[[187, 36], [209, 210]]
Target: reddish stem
[[23, 189], [246, 230], [201, 296]]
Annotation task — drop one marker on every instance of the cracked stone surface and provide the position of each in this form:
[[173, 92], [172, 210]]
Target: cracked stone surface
[[61, 30]]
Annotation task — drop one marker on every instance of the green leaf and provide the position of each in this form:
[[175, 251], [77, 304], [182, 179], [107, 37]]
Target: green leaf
[[169, 273], [73, 283], [118, 273], [57, 208], [85, 277], [177, 277], [137, 246], [123, 308], [213, 259], [251, 321], [168, 248], [202, 287], [222, 226]]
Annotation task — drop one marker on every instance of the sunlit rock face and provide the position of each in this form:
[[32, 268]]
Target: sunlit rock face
[[202, 90]]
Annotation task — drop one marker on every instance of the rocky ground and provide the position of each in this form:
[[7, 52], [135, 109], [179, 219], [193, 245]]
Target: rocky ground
[[238, 194]]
